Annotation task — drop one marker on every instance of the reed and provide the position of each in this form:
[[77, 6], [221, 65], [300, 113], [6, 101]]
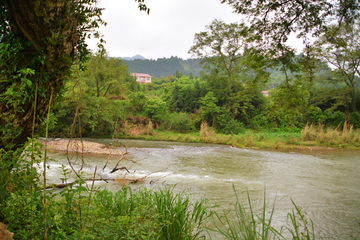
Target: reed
[[305, 131], [245, 224], [206, 131], [321, 133], [188, 138], [311, 135], [299, 225], [261, 137], [331, 136], [184, 219], [249, 140], [277, 142], [221, 139], [229, 139], [149, 129]]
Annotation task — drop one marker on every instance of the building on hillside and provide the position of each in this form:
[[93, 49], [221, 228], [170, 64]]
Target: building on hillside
[[142, 77], [265, 93]]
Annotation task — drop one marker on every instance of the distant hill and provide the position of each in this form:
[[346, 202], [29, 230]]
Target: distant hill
[[134, 58], [163, 67]]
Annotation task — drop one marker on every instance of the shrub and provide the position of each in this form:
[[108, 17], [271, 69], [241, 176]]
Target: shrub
[[335, 118], [206, 131], [354, 119], [180, 122], [226, 124], [156, 110], [314, 115]]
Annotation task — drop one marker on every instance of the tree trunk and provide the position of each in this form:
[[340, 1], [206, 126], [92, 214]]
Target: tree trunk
[[48, 32]]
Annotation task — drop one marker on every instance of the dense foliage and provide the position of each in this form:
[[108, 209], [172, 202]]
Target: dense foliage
[[110, 99], [40, 41], [302, 89], [126, 214]]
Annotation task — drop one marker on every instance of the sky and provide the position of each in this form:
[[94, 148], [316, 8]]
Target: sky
[[167, 31]]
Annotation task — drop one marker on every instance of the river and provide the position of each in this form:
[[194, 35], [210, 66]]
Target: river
[[325, 184]]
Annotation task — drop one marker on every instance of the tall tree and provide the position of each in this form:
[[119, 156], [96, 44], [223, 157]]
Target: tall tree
[[106, 76], [340, 46], [229, 64], [40, 41], [221, 47]]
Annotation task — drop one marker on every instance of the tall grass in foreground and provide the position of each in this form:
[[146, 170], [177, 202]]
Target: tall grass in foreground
[[245, 224], [185, 220], [157, 213]]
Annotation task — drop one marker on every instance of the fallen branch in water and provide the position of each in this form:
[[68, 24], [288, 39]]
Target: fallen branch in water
[[120, 168], [62, 185]]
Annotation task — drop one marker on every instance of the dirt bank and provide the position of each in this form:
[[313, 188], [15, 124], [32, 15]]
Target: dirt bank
[[82, 147]]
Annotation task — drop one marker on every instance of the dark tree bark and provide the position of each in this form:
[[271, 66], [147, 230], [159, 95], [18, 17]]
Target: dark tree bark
[[49, 33]]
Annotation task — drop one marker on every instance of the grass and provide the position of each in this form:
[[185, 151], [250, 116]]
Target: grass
[[310, 136], [148, 214], [347, 136], [243, 223], [142, 214]]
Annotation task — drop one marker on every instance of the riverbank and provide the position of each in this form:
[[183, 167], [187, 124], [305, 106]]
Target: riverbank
[[86, 147], [309, 138]]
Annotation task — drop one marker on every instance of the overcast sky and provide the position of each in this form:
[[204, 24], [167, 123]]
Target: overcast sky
[[168, 31]]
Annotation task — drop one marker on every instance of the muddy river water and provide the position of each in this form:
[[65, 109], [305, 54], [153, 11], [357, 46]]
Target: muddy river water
[[325, 184]]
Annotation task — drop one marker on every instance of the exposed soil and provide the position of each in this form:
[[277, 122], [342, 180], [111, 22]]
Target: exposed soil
[[82, 147], [4, 233]]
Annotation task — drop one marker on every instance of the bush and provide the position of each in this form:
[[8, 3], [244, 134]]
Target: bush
[[314, 115], [226, 124], [156, 110], [180, 122], [354, 119], [232, 127], [335, 118]]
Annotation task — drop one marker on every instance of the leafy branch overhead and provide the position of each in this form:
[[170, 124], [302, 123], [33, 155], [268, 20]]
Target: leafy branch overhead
[[275, 20], [40, 41]]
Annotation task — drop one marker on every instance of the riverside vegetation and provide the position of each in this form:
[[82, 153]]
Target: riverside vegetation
[[184, 108], [47, 84], [82, 211], [308, 103]]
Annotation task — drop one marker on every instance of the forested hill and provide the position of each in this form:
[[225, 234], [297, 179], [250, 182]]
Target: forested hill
[[163, 67]]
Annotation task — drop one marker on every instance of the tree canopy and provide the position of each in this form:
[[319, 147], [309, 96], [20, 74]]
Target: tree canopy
[[40, 41], [340, 46], [274, 20]]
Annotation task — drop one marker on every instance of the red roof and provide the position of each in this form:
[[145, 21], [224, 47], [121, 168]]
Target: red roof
[[141, 75]]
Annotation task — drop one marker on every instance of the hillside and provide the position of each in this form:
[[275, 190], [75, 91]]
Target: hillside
[[163, 67], [134, 58]]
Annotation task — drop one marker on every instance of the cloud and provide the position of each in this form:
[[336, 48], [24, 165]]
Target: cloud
[[168, 31]]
